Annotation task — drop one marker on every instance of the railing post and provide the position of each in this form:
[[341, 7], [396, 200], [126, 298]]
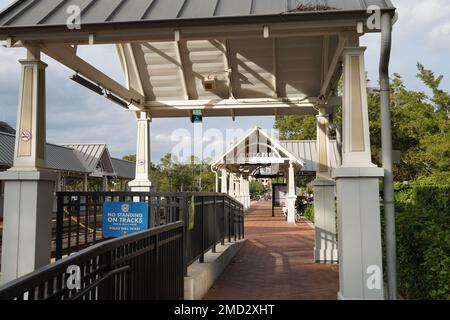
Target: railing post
[[239, 222], [106, 290], [95, 212], [157, 276], [229, 221], [222, 242], [59, 225], [214, 226], [184, 214], [234, 221], [273, 202], [202, 244], [151, 217], [243, 224]]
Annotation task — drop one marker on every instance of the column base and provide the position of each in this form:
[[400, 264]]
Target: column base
[[27, 229], [140, 186], [290, 204], [326, 255], [341, 297], [360, 254], [325, 221]]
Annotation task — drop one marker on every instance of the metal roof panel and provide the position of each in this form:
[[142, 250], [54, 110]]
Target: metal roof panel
[[7, 142], [124, 169], [64, 158], [52, 12], [307, 152]]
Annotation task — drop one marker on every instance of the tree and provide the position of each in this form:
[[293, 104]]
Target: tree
[[174, 176], [131, 158], [296, 127], [420, 127], [256, 187], [440, 99]]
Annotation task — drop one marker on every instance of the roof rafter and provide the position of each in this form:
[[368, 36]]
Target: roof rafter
[[179, 55], [333, 67], [228, 67], [131, 70], [65, 55]]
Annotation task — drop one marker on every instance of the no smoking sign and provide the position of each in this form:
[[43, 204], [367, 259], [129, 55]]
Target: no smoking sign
[[25, 136]]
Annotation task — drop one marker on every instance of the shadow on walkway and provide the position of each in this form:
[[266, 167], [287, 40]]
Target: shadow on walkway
[[276, 263]]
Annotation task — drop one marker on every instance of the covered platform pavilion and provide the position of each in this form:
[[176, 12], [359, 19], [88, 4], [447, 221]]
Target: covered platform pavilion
[[258, 155], [242, 161], [226, 58]]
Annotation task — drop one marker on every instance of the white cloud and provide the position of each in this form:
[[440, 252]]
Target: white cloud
[[430, 11], [441, 35]]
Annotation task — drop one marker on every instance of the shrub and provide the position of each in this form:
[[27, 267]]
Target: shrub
[[423, 241], [309, 213]]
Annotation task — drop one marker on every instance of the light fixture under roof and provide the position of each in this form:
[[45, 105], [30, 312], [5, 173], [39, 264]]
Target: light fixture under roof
[[117, 100], [87, 84]]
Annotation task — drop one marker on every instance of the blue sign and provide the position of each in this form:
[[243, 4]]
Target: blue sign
[[197, 116], [122, 218]]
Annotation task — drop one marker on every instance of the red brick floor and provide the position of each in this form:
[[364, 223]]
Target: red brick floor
[[276, 263]]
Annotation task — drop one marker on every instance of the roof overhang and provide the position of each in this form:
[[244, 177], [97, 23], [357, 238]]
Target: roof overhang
[[287, 24], [281, 63]]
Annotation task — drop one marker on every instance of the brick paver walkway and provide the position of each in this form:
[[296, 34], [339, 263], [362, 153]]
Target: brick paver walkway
[[275, 263]]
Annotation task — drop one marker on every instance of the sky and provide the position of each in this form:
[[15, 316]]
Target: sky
[[75, 115]]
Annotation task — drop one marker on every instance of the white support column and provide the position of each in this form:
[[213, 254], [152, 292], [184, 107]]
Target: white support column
[[357, 181], [249, 199], [59, 182], [241, 190], [105, 186], [224, 182], [247, 193], [291, 194], [231, 192], [85, 183], [28, 185], [216, 186], [325, 249], [142, 182]]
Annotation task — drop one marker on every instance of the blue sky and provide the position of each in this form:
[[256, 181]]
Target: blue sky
[[422, 33]]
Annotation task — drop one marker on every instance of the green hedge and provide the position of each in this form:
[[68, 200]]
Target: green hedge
[[423, 241], [309, 213]]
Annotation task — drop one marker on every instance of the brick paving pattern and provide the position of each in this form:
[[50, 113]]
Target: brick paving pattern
[[276, 263]]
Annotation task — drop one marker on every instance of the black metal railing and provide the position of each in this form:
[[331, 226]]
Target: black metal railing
[[143, 266], [147, 265], [210, 218], [79, 215]]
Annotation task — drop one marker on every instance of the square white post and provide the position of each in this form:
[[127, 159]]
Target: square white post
[[28, 185], [292, 197], [142, 182], [224, 181], [231, 192], [325, 249], [85, 182], [241, 190], [105, 186], [247, 193], [357, 181]]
